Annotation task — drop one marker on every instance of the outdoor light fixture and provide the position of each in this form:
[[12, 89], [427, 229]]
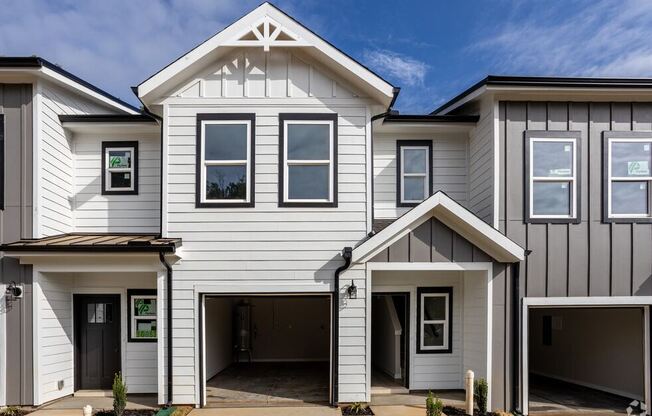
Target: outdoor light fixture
[[352, 291], [14, 291]]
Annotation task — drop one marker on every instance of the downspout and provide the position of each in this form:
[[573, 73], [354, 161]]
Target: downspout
[[335, 326], [168, 325], [389, 111]]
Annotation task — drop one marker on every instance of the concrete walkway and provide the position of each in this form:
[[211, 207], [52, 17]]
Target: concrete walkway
[[267, 411]]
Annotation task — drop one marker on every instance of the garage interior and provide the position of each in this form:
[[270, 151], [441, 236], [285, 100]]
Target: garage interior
[[267, 350], [586, 359]]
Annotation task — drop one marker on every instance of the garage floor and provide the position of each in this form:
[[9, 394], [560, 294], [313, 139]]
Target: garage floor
[[548, 396], [269, 384]]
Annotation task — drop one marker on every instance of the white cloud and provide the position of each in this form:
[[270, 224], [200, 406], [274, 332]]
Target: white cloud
[[598, 38], [408, 71]]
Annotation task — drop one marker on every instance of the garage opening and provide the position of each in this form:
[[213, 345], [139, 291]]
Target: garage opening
[[267, 350], [586, 359]]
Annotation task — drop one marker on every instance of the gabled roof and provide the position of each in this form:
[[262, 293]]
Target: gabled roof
[[456, 217], [505, 81], [60, 75], [265, 27], [93, 243]]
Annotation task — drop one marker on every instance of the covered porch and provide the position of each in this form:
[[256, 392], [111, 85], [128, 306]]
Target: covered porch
[[98, 310]]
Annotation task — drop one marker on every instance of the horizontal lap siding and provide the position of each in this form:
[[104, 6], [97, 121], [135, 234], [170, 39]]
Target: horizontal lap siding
[[95, 212], [56, 160], [266, 248], [449, 169]]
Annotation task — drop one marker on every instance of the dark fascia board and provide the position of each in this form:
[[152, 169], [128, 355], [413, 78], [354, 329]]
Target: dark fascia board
[[562, 82], [38, 62], [430, 118], [107, 118]]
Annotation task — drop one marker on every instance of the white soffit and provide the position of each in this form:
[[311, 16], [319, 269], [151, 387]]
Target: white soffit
[[265, 27]]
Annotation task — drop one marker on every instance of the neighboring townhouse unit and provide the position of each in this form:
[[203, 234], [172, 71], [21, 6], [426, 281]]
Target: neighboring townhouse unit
[[269, 230]]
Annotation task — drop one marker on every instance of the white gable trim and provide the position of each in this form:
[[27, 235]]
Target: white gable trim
[[265, 14], [455, 216]]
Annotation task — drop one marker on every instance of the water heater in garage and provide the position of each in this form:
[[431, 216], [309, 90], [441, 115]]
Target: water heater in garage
[[242, 329]]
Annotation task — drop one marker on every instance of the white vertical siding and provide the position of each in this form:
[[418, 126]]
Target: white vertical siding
[[55, 332], [481, 165], [56, 162], [95, 212], [449, 169]]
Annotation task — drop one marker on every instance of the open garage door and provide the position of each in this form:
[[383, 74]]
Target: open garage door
[[261, 350], [586, 359]]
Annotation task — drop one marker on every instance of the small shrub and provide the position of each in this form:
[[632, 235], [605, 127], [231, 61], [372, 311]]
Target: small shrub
[[480, 392], [119, 395], [358, 408], [434, 405], [11, 411]]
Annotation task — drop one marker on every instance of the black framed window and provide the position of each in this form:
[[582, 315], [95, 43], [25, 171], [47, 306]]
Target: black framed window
[[552, 160], [434, 320], [308, 160], [627, 164], [225, 160], [142, 315], [120, 168], [414, 182]]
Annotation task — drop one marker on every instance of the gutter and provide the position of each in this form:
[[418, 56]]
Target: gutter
[[347, 253], [168, 326]]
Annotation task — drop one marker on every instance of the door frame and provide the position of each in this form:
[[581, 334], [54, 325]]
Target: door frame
[[120, 295], [201, 298], [583, 302]]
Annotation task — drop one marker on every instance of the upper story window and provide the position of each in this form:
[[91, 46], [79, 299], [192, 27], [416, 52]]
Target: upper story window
[[308, 160], [414, 173], [435, 310], [628, 159], [120, 164], [225, 160], [552, 176]]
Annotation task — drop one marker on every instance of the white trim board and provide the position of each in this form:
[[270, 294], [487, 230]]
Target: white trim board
[[570, 302]]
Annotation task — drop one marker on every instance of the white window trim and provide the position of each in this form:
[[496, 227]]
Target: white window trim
[[571, 179], [108, 170], [205, 163], [135, 319], [298, 162], [425, 175], [423, 322], [611, 179]]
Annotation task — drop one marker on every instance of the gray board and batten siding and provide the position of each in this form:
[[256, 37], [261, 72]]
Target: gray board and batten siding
[[433, 241], [590, 257], [16, 223]]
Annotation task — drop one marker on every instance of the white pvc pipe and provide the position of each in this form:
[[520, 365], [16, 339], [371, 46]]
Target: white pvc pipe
[[468, 385]]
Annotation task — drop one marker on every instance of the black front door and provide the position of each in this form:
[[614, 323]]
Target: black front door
[[97, 340]]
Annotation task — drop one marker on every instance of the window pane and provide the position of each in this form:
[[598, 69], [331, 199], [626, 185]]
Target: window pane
[[120, 179], [413, 188], [119, 158], [144, 307], [552, 159], [414, 160], [225, 142], [146, 328], [434, 308], [308, 182], [108, 312], [308, 141], [629, 198], [226, 182], [99, 313], [91, 313], [551, 198], [433, 335], [630, 159]]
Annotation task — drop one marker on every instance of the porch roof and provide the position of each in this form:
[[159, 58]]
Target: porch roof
[[100, 242]]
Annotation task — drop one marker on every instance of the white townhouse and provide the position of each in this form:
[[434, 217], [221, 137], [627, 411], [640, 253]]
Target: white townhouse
[[267, 229]]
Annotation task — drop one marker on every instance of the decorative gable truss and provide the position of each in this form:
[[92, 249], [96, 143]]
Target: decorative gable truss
[[265, 33]]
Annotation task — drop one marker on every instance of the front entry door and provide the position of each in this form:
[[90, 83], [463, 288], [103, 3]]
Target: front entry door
[[97, 340]]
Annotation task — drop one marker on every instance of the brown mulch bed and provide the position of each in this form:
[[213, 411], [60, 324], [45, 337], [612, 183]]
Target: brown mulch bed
[[128, 412], [348, 411], [455, 411], [14, 411]]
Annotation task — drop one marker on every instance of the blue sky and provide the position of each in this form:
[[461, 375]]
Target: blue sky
[[432, 49]]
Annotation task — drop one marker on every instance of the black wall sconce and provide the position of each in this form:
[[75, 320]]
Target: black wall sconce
[[352, 291]]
